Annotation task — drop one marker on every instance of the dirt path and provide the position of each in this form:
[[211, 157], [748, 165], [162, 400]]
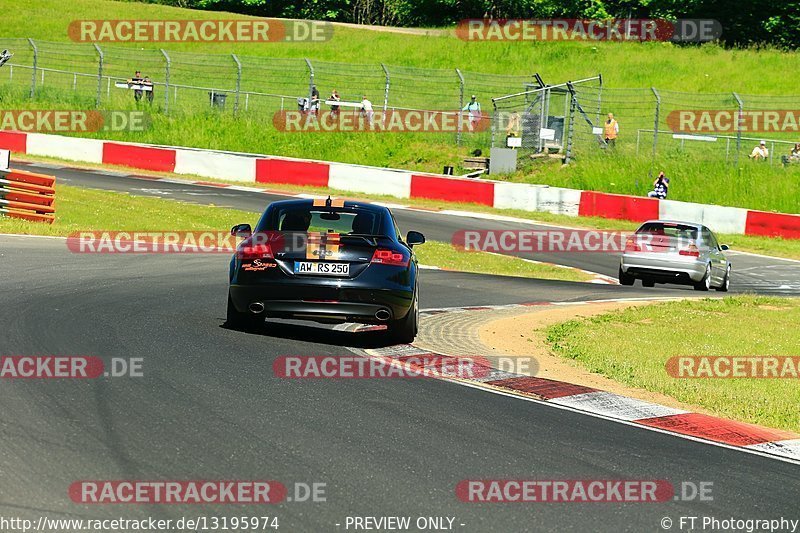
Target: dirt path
[[523, 336]]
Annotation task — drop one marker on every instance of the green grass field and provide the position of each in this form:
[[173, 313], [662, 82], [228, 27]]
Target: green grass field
[[632, 346], [699, 172], [81, 209]]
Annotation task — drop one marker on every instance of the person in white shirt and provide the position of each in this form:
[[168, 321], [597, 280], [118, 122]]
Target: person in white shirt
[[474, 110], [366, 109], [760, 152]]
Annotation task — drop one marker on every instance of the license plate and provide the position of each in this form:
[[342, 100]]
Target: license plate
[[326, 269]]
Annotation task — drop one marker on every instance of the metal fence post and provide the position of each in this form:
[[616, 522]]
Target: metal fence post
[[460, 106], [35, 64], [739, 117], [99, 74], [238, 83], [386, 90], [310, 80], [570, 132], [495, 118], [166, 80], [655, 128], [599, 97]]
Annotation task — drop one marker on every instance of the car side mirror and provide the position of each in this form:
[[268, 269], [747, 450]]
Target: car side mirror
[[415, 237], [242, 230], [724, 247]]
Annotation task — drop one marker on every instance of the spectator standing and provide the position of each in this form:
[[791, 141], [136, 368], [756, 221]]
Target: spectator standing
[[314, 104], [148, 82], [760, 152], [474, 110], [660, 187], [334, 108], [366, 109], [514, 125], [136, 80], [610, 131]]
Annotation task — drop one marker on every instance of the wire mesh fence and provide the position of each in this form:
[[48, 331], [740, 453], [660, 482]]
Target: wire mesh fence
[[187, 83], [663, 124], [566, 118]]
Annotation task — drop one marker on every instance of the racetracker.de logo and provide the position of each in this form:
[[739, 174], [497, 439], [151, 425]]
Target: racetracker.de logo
[[77, 121], [563, 240], [176, 31], [152, 242], [68, 367], [732, 121], [564, 491], [742, 366], [359, 367], [687, 30], [389, 121], [177, 492]]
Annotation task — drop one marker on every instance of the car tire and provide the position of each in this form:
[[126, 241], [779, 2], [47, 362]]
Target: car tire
[[726, 281], [705, 283], [241, 321], [648, 283], [625, 279], [404, 331]]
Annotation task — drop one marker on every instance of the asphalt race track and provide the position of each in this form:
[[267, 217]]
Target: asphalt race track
[[208, 406]]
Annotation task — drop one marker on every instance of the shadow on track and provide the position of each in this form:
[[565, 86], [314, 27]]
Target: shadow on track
[[319, 335]]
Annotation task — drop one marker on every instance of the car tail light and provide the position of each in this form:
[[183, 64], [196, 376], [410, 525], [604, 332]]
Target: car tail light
[[632, 245], [692, 251], [390, 257], [249, 250]]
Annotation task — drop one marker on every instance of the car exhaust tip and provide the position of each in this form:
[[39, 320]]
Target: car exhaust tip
[[382, 315], [256, 308]]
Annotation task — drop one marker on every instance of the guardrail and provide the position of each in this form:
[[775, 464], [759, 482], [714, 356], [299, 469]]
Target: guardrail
[[27, 195]]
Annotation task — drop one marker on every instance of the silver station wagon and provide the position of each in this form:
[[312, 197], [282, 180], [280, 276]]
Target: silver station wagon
[[668, 251]]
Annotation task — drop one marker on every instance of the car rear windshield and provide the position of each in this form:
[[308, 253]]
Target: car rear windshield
[[680, 231], [355, 221]]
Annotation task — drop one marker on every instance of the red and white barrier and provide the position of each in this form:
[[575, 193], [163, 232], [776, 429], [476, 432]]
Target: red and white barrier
[[250, 168]]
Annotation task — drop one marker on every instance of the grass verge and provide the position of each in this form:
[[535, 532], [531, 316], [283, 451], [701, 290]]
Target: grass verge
[[82, 209], [633, 345]]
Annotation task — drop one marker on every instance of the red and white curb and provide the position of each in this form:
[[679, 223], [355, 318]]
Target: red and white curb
[[768, 442]]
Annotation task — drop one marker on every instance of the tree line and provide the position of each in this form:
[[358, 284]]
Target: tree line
[[744, 22]]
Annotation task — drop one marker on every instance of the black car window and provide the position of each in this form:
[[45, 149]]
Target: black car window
[[680, 231], [321, 219]]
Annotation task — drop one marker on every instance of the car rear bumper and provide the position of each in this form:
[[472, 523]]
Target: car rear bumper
[[662, 267], [368, 306]]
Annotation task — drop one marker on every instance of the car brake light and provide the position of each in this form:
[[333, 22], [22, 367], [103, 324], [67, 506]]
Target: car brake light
[[631, 245], [390, 257], [692, 251], [249, 251]]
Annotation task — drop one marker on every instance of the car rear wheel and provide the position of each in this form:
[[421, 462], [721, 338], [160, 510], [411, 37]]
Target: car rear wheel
[[242, 321], [705, 283], [726, 281], [404, 331], [625, 279], [648, 283]]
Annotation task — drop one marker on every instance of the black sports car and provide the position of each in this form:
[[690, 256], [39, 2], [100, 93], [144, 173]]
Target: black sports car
[[328, 261]]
